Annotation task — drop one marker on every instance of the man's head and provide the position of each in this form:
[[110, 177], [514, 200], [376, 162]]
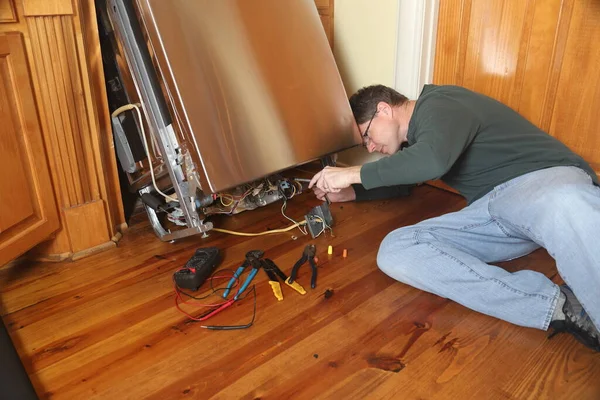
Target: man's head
[[378, 113]]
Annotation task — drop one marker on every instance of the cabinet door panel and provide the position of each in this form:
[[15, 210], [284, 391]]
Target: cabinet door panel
[[28, 212]]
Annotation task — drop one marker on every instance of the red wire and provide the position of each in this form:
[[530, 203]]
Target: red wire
[[217, 310], [207, 316]]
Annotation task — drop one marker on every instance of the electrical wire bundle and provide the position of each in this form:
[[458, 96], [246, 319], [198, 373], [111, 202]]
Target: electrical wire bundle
[[300, 225], [253, 196], [217, 307], [287, 188], [232, 202]]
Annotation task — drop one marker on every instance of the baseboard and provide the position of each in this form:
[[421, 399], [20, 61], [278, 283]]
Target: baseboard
[[78, 255]]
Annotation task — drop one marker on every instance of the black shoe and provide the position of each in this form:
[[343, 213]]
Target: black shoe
[[577, 322]]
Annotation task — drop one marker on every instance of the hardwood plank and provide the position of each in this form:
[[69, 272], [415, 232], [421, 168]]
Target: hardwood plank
[[106, 327], [579, 85], [534, 56]]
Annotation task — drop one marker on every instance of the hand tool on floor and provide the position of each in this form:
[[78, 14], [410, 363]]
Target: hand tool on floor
[[251, 255], [307, 255], [274, 274], [254, 260]]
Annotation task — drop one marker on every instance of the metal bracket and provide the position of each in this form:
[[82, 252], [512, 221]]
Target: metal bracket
[[129, 32], [315, 217]]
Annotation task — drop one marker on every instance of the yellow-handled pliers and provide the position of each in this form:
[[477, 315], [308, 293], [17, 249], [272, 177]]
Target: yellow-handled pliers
[[274, 274]]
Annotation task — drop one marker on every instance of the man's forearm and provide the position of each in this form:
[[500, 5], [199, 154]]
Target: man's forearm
[[333, 179], [415, 164], [354, 175], [381, 193]]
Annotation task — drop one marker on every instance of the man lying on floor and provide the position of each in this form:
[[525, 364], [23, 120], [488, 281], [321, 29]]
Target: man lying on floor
[[524, 189]]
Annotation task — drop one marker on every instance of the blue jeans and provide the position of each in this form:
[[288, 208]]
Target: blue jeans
[[556, 208]]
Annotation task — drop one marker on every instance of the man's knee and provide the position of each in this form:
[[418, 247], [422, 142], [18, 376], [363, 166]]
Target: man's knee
[[399, 259], [389, 256]]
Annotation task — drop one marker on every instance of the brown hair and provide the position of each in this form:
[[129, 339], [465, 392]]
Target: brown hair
[[364, 101]]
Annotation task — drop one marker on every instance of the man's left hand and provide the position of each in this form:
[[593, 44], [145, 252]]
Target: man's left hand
[[333, 179]]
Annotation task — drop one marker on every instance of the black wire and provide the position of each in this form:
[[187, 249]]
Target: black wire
[[235, 327], [213, 292]]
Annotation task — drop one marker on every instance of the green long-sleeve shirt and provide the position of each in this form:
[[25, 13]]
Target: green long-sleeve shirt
[[471, 142]]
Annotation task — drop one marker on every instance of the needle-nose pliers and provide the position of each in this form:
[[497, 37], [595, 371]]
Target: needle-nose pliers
[[307, 255]]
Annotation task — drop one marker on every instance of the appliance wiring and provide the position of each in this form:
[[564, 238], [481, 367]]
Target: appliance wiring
[[132, 106]]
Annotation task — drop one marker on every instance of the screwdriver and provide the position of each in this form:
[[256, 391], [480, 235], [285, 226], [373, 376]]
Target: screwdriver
[[308, 181]]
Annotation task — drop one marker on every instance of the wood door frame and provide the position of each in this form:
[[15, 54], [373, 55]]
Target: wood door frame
[[416, 42]]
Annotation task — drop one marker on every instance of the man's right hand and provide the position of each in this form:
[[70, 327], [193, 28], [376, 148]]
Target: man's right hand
[[346, 194]]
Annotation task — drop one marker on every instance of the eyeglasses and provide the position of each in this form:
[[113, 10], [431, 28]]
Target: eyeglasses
[[365, 135]]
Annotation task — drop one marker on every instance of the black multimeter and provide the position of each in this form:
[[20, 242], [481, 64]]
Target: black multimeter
[[198, 268]]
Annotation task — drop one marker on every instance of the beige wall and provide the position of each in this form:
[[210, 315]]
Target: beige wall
[[365, 43]]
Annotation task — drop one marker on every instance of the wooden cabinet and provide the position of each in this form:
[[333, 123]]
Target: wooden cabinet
[[539, 57], [58, 176], [28, 212]]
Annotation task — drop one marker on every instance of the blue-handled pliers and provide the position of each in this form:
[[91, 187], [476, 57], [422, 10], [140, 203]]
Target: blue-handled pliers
[[252, 259], [256, 264]]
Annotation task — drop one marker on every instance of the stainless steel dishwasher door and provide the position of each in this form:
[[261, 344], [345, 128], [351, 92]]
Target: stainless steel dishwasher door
[[253, 83]]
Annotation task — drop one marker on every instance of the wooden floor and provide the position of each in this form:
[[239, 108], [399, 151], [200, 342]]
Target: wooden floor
[[106, 326]]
